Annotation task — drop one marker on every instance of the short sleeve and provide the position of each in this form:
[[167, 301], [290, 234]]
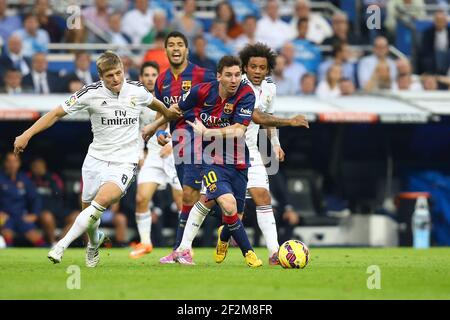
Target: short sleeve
[[145, 96], [189, 99], [244, 109], [77, 101]]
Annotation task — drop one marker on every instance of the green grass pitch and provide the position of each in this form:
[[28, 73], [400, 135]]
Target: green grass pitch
[[332, 274]]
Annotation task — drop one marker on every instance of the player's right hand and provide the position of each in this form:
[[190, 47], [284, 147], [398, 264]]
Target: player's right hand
[[174, 112], [20, 143], [299, 121]]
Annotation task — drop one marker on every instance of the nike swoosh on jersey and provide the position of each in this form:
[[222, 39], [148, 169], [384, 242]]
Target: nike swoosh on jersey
[[196, 181], [208, 105], [165, 87]]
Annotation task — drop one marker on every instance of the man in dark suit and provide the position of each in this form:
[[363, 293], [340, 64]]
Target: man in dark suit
[[40, 79], [12, 58], [82, 71], [13, 83], [434, 50]]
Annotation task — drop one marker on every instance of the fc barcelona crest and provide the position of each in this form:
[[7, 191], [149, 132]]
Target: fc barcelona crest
[[212, 188], [228, 108], [186, 85]]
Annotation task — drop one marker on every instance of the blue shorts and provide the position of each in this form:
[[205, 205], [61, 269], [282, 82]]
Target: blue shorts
[[220, 180], [190, 175], [18, 225]]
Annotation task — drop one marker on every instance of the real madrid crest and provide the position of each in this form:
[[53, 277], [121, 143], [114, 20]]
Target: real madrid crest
[[228, 108], [186, 85]]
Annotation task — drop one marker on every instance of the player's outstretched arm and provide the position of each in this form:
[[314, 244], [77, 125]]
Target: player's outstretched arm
[[171, 113], [45, 122], [236, 130], [269, 120]]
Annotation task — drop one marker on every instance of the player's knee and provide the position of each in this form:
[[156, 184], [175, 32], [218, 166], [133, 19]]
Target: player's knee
[[190, 196], [228, 206], [141, 201], [261, 197], [47, 218]]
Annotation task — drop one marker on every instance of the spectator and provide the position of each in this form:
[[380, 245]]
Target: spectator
[[306, 52], [248, 36], [8, 23], [40, 79], [20, 204], [48, 21], [74, 85], [33, 38], [329, 87], [97, 15], [187, 23], [218, 42], [244, 8], [82, 71], [285, 86], [159, 26], [429, 82], [434, 51], [293, 69], [347, 87], [341, 31], [404, 68], [129, 68], [381, 79], [115, 33], [13, 57], [50, 188], [138, 22], [308, 84], [270, 29], [200, 57], [414, 7], [13, 82], [225, 12], [403, 83], [367, 65], [319, 29], [341, 55], [158, 53]]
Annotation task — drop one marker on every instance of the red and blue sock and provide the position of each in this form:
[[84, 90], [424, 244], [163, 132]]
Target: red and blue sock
[[182, 219], [236, 229]]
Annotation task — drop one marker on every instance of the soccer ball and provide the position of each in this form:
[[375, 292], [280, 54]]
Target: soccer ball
[[293, 254]]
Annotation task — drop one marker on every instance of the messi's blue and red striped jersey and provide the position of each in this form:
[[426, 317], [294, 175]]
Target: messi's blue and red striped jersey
[[169, 88], [204, 103]]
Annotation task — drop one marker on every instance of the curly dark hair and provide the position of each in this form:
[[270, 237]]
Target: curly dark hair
[[259, 50]]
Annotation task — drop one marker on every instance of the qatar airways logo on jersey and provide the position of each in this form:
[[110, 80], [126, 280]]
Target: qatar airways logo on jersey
[[213, 121], [171, 100], [120, 119]]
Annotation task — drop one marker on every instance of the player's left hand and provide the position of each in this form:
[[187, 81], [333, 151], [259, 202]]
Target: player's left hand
[[173, 112], [165, 151], [279, 153], [198, 126]]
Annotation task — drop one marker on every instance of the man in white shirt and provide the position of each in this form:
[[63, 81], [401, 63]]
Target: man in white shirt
[[138, 22], [13, 57], [367, 65], [114, 106], [292, 70], [271, 30], [318, 27], [34, 39]]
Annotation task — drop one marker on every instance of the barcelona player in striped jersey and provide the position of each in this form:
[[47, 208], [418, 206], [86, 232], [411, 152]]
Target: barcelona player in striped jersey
[[220, 112], [171, 84]]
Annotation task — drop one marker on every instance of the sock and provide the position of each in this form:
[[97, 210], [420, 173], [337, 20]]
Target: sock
[[87, 218], [238, 232], [39, 243], [266, 222], [196, 217], [225, 235], [144, 225], [184, 215]]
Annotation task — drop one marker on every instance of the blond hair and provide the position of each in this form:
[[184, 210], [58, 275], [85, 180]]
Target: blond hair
[[108, 61]]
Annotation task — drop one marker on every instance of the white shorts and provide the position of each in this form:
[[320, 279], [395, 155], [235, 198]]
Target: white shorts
[[257, 177], [96, 173], [160, 171]]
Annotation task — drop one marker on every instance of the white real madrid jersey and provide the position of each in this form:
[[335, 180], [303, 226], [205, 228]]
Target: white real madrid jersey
[[114, 118], [265, 97], [148, 116]]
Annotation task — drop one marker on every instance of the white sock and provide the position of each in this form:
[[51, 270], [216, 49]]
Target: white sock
[[196, 217], [92, 232], [86, 219], [144, 225], [266, 222]]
